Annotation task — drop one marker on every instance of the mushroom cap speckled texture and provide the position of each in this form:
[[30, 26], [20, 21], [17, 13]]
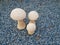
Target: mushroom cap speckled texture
[[18, 14], [33, 15]]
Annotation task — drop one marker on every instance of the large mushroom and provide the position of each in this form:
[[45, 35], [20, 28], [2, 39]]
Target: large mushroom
[[19, 15]]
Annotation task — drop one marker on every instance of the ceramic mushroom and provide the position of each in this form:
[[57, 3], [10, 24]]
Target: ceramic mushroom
[[19, 15], [31, 27]]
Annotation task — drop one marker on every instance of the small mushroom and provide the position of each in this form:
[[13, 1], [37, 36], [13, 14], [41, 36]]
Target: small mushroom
[[31, 27], [19, 15]]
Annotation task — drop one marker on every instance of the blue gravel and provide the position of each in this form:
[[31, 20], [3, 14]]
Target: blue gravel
[[48, 23]]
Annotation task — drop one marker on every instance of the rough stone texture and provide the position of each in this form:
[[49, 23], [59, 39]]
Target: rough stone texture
[[48, 23]]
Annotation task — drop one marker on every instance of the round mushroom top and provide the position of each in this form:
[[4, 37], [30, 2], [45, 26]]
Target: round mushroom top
[[18, 14], [31, 27], [33, 15]]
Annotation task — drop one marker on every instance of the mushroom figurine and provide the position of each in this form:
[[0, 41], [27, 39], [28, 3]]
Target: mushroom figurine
[[19, 15], [31, 27]]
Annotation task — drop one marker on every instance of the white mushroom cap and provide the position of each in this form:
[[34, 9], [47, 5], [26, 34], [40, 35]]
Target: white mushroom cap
[[31, 27], [18, 14], [33, 15]]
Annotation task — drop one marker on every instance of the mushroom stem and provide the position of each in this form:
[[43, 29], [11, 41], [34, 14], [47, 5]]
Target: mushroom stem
[[21, 24], [31, 27], [32, 21], [31, 30]]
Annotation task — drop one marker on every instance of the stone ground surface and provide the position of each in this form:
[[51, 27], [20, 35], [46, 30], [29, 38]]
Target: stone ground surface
[[48, 23]]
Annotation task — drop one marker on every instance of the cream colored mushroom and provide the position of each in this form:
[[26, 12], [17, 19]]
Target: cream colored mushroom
[[33, 15], [31, 27], [19, 15]]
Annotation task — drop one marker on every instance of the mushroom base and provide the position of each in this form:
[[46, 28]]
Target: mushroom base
[[31, 32]]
